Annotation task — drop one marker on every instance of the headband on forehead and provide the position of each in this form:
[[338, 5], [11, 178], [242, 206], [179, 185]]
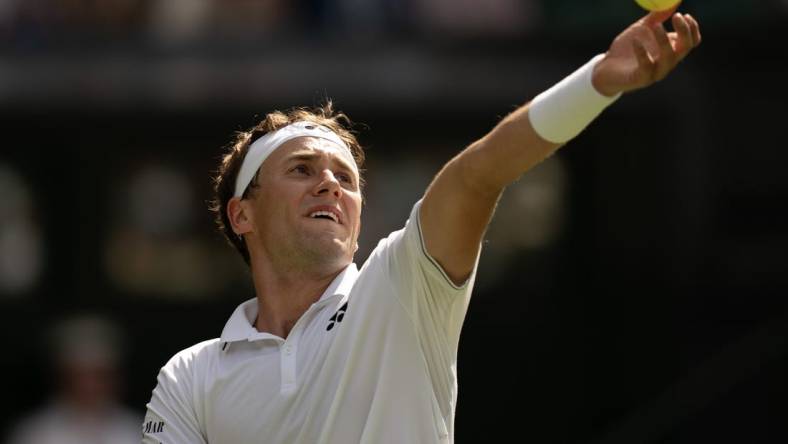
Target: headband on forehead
[[264, 146]]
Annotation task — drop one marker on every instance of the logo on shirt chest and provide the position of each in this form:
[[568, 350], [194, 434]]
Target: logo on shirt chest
[[338, 316]]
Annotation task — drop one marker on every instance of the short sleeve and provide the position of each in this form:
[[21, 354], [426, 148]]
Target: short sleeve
[[435, 305], [433, 301], [171, 416]]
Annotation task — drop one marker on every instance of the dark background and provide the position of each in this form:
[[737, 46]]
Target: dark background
[[645, 297]]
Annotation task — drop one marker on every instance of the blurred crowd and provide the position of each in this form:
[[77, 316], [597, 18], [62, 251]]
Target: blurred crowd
[[30, 24], [86, 361], [159, 242], [42, 22]]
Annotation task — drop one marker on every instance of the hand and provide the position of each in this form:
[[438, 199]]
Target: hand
[[645, 53]]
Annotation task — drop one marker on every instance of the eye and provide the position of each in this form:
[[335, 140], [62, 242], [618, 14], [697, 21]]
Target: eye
[[300, 169], [344, 177]]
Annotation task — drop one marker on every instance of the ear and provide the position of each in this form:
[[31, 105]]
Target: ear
[[355, 247], [240, 216]]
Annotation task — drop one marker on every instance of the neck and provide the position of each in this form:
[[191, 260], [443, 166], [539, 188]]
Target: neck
[[284, 295]]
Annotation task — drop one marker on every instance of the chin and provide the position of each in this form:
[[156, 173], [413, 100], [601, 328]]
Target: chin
[[329, 252]]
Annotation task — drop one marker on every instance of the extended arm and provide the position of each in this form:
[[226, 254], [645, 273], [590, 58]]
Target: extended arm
[[460, 201]]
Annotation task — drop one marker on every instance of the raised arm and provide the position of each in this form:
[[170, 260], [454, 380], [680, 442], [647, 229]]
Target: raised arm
[[460, 201]]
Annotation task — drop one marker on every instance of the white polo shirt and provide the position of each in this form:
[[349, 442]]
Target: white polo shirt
[[372, 361]]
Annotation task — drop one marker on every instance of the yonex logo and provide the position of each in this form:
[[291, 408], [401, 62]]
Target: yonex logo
[[338, 316]]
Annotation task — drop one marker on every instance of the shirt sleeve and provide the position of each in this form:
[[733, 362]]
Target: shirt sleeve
[[437, 305], [171, 416]]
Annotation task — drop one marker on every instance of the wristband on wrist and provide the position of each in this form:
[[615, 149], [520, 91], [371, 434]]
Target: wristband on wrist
[[563, 111]]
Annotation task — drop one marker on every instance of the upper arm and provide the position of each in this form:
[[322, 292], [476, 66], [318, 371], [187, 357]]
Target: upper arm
[[171, 416], [453, 219], [460, 201]]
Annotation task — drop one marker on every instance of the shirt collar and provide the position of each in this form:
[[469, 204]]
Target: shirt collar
[[240, 326]]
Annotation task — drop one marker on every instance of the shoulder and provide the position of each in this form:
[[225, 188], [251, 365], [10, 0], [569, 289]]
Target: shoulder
[[404, 241], [190, 360]]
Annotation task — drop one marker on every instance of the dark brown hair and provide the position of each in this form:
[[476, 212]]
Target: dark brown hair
[[225, 176]]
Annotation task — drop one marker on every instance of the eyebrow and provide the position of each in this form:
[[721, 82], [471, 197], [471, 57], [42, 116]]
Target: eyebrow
[[309, 156]]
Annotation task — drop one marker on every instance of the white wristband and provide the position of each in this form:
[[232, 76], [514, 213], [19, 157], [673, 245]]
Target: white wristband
[[563, 111]]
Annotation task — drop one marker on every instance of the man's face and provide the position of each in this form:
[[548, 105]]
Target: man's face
[[306, 210]]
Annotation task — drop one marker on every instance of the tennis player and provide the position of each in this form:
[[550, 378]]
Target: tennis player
[[329, 353]]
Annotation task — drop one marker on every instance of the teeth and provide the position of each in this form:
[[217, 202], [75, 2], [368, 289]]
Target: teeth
[[325, 213]]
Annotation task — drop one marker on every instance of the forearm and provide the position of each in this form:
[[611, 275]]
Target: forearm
[[534, 131], [503, 155], [460, 202]]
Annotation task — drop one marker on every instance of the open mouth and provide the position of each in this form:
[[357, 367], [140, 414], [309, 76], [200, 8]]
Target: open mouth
[[324, 215]]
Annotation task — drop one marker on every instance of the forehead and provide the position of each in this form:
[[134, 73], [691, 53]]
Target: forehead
[[315, 148]]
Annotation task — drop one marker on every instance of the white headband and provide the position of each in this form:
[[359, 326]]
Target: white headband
[[264, 146]]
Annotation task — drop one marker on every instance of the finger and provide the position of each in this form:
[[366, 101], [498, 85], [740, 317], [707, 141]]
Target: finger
[[694, 28], [644, 60], [647, 38], [684, 40], [666, 57], [655, 17]]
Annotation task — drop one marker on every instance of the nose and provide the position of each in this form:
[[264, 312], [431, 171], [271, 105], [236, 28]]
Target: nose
[[328, 184]]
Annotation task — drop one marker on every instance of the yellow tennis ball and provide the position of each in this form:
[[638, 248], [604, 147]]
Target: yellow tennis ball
[[657, 5]]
